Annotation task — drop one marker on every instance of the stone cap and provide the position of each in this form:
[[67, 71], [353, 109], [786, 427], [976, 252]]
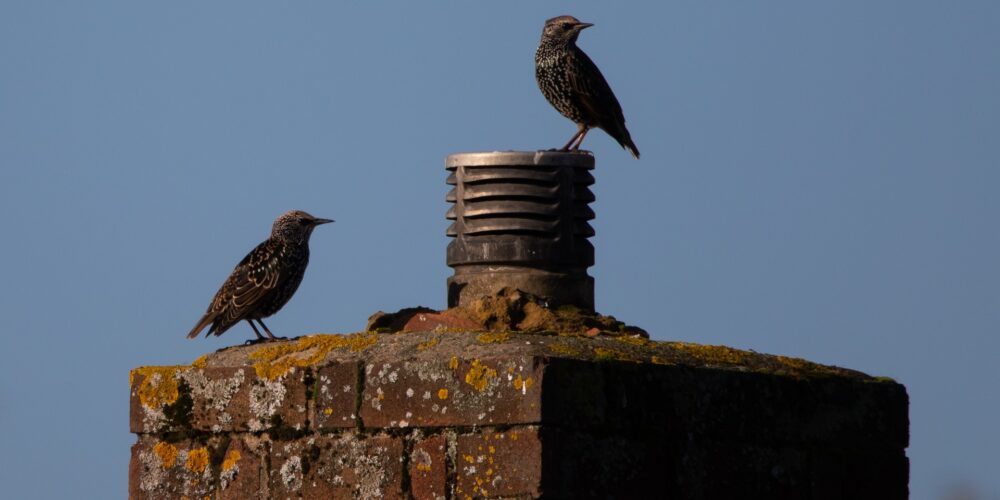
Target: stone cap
[[433, 379]]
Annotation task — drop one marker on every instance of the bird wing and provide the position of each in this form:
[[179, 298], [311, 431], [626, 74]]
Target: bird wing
[[592, 90], [250, 281]]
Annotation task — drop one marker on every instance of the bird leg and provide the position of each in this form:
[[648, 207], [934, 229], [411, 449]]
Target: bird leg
[[259, 336], [581, 130], [583, 133], [268, 331]]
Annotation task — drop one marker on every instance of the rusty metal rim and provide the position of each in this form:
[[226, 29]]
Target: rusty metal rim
[[520, 158]]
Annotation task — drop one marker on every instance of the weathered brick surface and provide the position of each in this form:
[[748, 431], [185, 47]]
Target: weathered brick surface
[[453, 415], [428, 467], [216, 400], [499, 463], [452, 391], [336, 396], [613, 465], [633, 398], [172, 469], [345, 465], [240, 471], [425, 322]]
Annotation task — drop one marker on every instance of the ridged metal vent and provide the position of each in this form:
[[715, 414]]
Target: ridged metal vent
[[514, 213], [509, 193]]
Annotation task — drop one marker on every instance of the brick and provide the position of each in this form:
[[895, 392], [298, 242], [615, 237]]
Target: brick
[[337, 467], [843, 473], [336, 394], [220, 398], [278, 403], [594, 417], [215, 400], [158, 399], [432, 393], [162, 469], [429, 468], [240, 472], [499, 464], [615, 466], [429, 321]]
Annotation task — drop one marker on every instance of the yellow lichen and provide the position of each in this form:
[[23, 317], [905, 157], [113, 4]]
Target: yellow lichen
[[167, 453], [714, 354], [802, 365], [608, 354], [159, 384], [523, 384], [424, 467], [479, 375], [197, 460], [656, 360], [639, 341], [428, 344], [564, 349], [493, 337], [273, 361], [328, 411], [442, 393], [453, 363], [230, 461], [201, 362]]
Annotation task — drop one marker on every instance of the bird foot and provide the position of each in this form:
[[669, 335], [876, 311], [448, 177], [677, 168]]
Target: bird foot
[[264, 340]]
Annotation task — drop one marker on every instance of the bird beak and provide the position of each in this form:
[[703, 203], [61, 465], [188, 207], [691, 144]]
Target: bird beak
[[583, 26], [317, 222]]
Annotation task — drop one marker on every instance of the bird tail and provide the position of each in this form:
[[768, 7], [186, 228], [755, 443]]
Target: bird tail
[[630, 146], [621, 135], [205, 320]]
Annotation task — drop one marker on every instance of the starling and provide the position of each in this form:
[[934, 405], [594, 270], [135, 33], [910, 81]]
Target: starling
[[575, 87], [265, 279]]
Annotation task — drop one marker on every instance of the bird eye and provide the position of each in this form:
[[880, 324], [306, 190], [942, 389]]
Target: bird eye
[[303, 221]]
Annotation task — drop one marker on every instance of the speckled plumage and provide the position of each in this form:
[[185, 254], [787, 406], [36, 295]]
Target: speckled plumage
[[265, 279], [571, 82]]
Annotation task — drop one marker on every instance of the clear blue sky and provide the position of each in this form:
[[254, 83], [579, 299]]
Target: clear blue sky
[[817, 180]]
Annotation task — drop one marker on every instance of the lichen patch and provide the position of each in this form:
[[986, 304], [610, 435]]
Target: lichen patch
[[159, 384], [479, 375], [197, 460], [274, 361], [167, 453]]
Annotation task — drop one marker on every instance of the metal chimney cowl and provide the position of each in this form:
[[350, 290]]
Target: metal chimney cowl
[[521, 221]]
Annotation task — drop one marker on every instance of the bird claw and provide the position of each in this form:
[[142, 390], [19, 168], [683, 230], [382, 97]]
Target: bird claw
[[264, 340]]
